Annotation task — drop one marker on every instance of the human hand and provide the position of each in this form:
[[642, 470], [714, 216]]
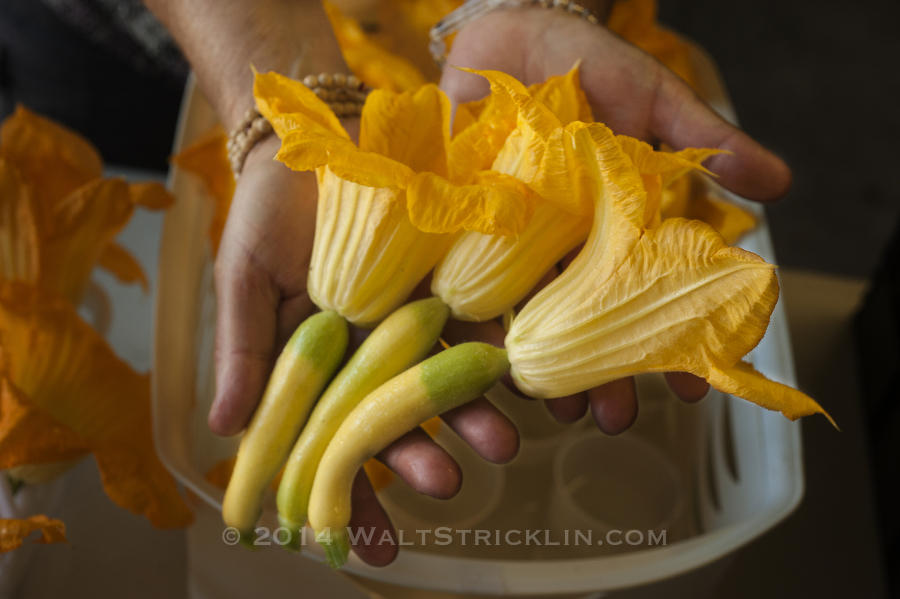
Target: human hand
[[634, 95], [260, 274]]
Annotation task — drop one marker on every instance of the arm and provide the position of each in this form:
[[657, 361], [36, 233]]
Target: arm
[[261, 267]]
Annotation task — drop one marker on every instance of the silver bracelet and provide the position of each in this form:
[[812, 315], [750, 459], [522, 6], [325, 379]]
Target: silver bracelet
[[474, 9]]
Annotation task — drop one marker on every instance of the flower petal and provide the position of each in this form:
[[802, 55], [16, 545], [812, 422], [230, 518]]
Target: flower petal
[[53, 159], [63, 366], [680, 300], [29, 435], [289, 105], [412, 127], [80, 228], [207, 158], [531, 112], [20, 255], [742, 380], [123, 265], [150, 195], [13, 532], [302, 152], [563, 96], [495, 204], [692, 197]]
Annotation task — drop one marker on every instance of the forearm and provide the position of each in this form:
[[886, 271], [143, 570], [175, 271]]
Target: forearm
[[222, 38]]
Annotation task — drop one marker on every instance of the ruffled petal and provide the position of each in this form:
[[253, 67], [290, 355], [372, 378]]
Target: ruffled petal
[[494, 204], [64, 367], [531, 112], [14, 531], [123, 265], [412, 128], [302, 153], [289, 106], [563, 96]]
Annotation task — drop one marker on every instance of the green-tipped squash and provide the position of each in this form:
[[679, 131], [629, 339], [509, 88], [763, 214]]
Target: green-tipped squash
[[303, 369], [400, 341], [440, 383]]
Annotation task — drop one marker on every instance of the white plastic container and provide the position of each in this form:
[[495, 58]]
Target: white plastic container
[[739, 466]]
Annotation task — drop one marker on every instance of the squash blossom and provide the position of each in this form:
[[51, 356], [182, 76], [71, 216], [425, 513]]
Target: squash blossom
[[390, 207], [63, 392], [527, 133], [647, 299]]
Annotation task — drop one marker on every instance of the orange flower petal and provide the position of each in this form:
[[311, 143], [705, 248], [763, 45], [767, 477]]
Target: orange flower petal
[[289, 105], [20, 255], [28, 435], [82, 225], [123, 265], [208, 159], [563, 95], [13, 532], [150, 195], [63, 366], [53, 159]]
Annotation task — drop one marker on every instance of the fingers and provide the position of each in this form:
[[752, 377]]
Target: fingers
[[567, 409], [423, 465], [245, 340], [369, 517], [681, 119], [614, 405], [486, 429], [688, 387]]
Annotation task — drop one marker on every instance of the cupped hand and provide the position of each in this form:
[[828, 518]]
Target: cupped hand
[[633, 94], [260, 276]]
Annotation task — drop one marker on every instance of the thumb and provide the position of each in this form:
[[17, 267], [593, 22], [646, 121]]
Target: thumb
[[681, 119], [245, 340]]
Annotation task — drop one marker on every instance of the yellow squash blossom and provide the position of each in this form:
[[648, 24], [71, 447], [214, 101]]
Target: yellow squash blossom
[[390, 207], [65, 392], [207, 158], [485, 276], [637, 299], [13, 532]]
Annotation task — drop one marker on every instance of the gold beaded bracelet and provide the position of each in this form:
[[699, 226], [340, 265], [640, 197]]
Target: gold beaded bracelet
[[474, 9], [344, 94]]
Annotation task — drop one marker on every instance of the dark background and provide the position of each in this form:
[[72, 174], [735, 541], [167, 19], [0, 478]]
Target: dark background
[[817, 81]]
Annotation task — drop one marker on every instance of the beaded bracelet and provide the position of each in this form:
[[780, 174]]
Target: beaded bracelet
[[474, 9], [344, 94]]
